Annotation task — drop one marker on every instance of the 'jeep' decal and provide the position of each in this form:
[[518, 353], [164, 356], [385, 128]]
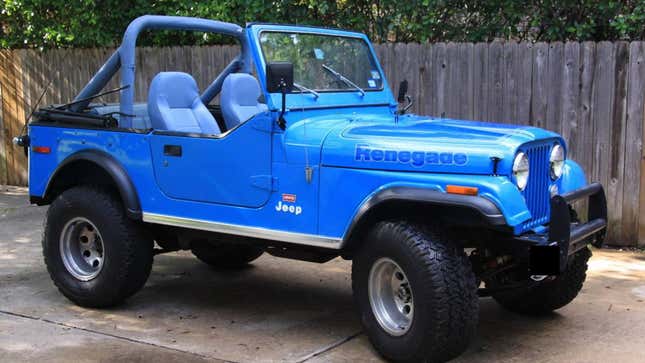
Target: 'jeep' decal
[[415, 158]]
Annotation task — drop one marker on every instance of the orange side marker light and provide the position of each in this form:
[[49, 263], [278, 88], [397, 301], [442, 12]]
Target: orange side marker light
[[41, 149], [460, 189]]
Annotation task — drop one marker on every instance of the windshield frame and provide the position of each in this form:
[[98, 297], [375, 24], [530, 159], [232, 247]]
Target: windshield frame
[[297, 101], [372, 58]]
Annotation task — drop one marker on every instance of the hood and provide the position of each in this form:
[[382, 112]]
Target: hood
[[425, 144]]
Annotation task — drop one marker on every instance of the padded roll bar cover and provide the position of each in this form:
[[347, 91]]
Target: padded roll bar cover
[[124, 57]]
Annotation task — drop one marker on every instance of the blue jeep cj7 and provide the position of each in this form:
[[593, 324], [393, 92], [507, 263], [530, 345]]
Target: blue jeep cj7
[[309, 156]]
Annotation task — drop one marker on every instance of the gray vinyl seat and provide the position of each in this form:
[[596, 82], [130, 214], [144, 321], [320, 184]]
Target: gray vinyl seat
[[174, 104], [239, 99]]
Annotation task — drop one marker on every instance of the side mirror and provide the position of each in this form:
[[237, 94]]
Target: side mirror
[[279, 77], [403, 90], [403, 97]]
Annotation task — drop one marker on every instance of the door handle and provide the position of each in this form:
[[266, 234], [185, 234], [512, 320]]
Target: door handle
[[172, 150]]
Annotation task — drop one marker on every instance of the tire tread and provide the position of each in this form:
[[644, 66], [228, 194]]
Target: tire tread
[[448, 280], [135, 248]]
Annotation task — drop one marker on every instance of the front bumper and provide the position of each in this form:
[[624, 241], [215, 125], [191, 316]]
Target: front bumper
[[549, 253]]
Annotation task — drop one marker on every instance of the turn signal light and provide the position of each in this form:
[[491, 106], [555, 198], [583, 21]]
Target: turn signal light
[[459, 189], [41, 149]]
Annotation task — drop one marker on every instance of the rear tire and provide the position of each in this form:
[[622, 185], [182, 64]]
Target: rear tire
[[95, 255], [228, 256], [549, 295], [431, 313]]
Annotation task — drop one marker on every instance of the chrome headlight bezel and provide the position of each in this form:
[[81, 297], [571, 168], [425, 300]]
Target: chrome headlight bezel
[[521, 170], [556, 161]]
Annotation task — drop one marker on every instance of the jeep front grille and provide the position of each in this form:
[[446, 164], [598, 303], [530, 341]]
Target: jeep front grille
[[537, 194]]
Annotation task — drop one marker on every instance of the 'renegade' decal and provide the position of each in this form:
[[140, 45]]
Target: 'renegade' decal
[[414, 158]]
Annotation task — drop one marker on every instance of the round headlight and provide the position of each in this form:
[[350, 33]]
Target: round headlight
[[521, 170], [556, 161]]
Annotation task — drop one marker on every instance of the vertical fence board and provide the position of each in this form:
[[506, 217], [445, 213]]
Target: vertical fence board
[[523, 70], [634, 208], [425, 92], [602, 111], [414, 72], [554, 96], [480, 80], [439, 78], [12, 109], [19, 158], [26, 57], [570, 96], [8, 108], [585, 125], [401, 68], [465, 86], [617, 143], [496, 81], [509, 86], [452, 87], [55, 70], [3, 137], [539, 85]]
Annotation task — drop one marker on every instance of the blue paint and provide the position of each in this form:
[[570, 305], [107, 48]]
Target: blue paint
[[573, 177], [355, 146]]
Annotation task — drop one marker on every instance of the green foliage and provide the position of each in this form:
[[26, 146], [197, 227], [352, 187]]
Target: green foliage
[[91, 23]]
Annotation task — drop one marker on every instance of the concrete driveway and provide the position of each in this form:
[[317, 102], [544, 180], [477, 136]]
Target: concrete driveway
[[280, 311]]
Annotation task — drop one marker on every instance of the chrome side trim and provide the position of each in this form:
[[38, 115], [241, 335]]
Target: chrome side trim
[[234, 229]]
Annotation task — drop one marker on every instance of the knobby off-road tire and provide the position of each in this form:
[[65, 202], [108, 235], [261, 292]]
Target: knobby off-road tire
[[438, 285], [227, 256], [95, 254], [549, 295]]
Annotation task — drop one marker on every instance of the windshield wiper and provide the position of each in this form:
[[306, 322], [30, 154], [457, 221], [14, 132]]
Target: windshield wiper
[[305, 89], [343, 79]]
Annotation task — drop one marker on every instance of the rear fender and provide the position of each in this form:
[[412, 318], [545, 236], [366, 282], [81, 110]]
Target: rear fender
[[112, 168]]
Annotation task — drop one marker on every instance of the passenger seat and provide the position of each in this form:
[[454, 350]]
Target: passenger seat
[[174, 104], [239, 99]]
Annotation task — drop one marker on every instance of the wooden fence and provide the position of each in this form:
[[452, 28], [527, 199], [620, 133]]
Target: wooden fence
[[591, 93]]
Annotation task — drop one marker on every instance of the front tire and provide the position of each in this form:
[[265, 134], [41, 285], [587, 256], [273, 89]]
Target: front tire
[[549, 295], [95, 255], [416, 293]]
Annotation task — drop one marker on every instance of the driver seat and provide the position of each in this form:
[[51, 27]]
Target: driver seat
[[239, 99], [174, 104]]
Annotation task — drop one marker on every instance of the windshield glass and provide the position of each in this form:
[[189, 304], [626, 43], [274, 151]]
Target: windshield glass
[[324, 62]]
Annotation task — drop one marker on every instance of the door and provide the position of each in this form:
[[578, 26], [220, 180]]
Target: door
[[232, 169]]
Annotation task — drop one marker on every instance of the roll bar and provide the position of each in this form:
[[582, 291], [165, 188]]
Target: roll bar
[[124, 58]]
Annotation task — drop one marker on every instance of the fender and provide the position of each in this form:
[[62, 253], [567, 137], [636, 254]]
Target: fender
[[113, 168], [489, 212], [573, 177]]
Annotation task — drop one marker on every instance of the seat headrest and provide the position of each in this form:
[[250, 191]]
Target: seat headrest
[[243, 88], [178, 88]]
